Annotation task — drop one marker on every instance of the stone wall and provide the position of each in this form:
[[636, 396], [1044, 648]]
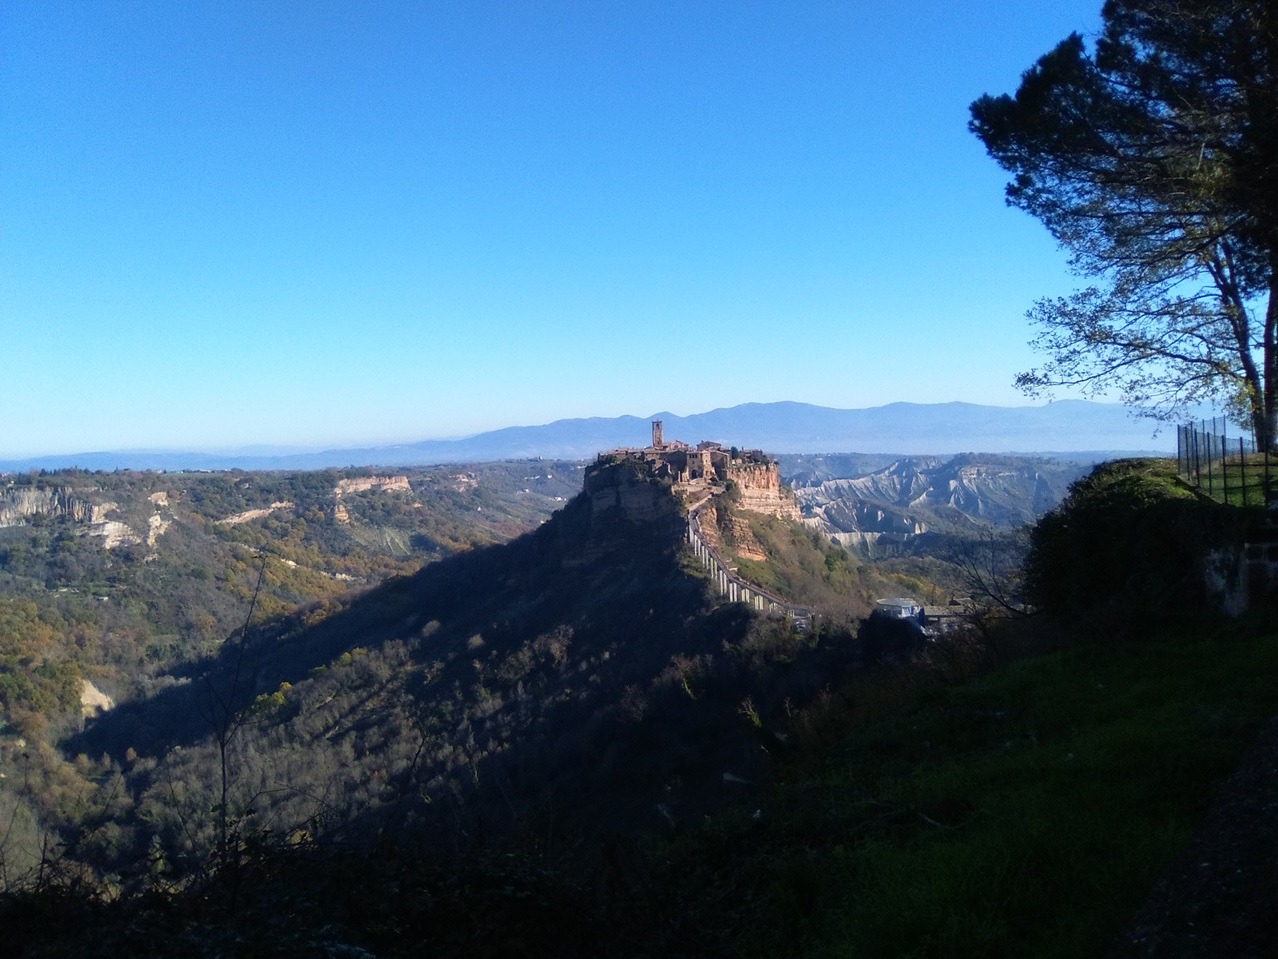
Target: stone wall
[[1239, 578]]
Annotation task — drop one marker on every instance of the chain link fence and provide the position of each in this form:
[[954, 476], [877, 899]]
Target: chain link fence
[[1228, 468]]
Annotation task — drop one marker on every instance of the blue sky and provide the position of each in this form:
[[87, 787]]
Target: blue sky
[[319, 224]]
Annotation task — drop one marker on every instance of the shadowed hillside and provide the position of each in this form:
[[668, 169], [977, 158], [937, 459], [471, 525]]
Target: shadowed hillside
[[580, 679]]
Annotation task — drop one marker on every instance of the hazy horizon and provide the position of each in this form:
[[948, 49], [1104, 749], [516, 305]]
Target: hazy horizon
[[901, 427]]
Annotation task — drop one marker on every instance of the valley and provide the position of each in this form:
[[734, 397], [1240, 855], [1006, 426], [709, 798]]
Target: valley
[[368, 595], [893, 505], [209, 675]]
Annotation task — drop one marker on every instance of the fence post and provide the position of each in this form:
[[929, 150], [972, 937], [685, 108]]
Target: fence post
[[1218, 441], [1198, 466], [1216, 448], [1242, 464], [1224, 460], [1265, 491], [1204, 453], [1211, 456], [1191, 452]]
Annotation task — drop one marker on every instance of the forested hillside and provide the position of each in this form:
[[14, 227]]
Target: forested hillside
[[111, 583], [165, 564], [468, 758], [582, 671], [572, 736], [129, 680]]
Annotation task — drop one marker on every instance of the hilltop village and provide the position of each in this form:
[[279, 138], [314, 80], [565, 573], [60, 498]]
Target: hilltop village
[[697, 475], [709, 470]]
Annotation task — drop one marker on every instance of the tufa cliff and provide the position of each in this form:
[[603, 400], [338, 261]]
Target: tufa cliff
[[19, 504], [761, 491], [708, 469]]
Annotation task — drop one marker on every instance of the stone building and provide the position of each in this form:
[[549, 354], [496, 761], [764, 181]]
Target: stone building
[[710, 468]]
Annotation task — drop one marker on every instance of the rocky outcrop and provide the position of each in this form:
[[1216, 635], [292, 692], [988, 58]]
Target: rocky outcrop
[[93, 701], [849, 514], [917, 494], [631, 486], [361, 484], [251, 514], [639, 497], [761, 491], [651, 485], [712, 469], [157, 526], [19, 505], [744, 543], [114, 533]]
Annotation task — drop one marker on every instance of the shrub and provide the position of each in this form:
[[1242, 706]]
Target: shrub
[[1126, 547]]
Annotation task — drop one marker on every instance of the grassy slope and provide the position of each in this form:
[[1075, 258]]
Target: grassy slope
[[803, 566], [1028, 812], [1024, 814]]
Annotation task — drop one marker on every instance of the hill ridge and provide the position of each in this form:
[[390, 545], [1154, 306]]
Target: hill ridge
[[781, 427], [585, 659]]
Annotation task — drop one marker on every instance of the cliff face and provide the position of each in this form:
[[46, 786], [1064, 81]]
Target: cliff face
[[19, 505], [1001, 491], [640, 498], [360, 484], [761, 490], [636, 485]]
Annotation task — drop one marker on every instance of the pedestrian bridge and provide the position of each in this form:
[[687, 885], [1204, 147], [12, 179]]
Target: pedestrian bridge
[[731, 585]]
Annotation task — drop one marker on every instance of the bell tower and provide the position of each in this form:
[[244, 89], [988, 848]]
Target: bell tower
[[657, 441]]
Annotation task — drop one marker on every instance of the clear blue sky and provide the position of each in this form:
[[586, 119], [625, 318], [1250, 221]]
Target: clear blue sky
[[318, 224]]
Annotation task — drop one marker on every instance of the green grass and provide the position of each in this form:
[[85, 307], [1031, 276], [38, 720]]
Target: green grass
[[1024, 814], [1240, 481]]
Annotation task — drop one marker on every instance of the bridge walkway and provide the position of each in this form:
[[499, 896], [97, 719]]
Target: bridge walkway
[[733, 586]]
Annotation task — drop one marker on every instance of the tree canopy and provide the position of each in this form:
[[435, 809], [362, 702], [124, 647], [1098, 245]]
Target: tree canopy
[[1152, 158]]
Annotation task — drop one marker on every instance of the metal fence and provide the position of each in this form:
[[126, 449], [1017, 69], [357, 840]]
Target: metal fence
[[1227, 468]]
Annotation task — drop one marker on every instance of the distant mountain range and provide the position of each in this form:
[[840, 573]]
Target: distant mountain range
[[1066, 426]]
